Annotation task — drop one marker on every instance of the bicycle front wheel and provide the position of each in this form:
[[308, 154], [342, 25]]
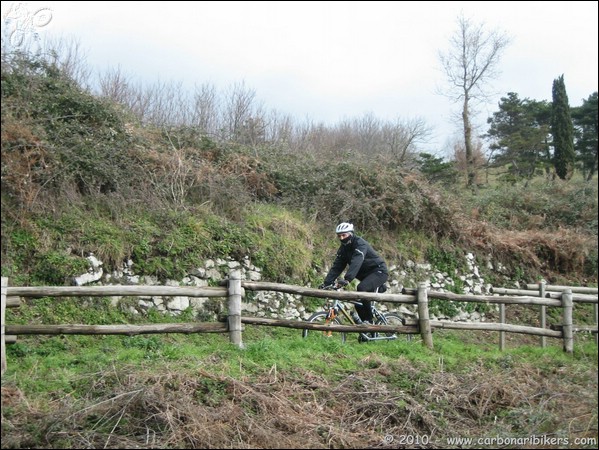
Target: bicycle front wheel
[[321, 317], [393, 319]]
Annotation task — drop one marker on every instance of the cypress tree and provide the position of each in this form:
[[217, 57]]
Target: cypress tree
[[562, 130]]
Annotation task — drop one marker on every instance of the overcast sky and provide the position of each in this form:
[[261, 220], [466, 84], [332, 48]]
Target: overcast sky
[[328, 61]]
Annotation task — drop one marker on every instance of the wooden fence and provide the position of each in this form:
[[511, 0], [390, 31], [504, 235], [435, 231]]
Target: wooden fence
[[553, 296]]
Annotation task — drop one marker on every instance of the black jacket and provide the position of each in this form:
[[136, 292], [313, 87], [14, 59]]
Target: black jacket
[[361, 258]]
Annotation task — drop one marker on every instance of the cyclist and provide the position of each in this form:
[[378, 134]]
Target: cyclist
[[362, 263]]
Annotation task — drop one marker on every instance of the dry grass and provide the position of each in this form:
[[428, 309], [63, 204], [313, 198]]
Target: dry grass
[[130, 408], [553, 253]]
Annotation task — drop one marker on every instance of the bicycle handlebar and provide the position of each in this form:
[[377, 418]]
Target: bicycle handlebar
[[332, 287], [336, 286]]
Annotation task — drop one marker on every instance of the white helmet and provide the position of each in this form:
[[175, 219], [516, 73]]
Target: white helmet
[[344, 227]]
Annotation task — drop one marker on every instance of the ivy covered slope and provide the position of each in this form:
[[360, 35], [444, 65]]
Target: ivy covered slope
[[84, 173]]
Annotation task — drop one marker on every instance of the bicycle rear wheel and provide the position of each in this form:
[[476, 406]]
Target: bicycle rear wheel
[[321, 318], [393, 319]]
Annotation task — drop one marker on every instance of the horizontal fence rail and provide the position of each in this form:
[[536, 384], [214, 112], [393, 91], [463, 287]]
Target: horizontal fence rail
[[127, 330], [557, 288], [582, 298], [121, 291], [234, 290]]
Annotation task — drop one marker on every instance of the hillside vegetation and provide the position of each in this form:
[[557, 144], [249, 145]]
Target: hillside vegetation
[[130, 180], [83, 173]]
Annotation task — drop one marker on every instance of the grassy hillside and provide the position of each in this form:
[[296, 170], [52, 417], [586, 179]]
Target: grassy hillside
[[82, 174]]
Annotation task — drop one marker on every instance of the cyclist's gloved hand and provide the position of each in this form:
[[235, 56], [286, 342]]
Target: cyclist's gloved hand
[[342, 283]]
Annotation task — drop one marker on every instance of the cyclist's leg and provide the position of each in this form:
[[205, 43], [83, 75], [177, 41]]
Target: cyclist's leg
[[369, 284], [364, 309]]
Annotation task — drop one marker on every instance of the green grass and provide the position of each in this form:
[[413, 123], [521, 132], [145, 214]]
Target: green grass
[[72, 382], [40, 364], [207, 373]]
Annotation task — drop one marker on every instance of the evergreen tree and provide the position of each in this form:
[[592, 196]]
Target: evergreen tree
[[586, 131], [519, 136], [436, 169], [562, 130]]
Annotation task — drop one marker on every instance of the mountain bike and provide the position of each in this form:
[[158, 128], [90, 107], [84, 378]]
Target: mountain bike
[[336, 312]]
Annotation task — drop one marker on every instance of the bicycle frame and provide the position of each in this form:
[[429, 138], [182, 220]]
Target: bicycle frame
[[335, 310], [338, 308]]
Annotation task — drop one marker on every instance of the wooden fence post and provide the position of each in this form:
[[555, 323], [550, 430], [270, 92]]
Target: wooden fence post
[[596, 322], [4, 292], [542, 285], [423, 318], [567, 323], [502, 321], [234, 306]]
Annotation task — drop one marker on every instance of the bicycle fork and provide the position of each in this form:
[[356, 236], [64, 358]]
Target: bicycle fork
[[329, 320]]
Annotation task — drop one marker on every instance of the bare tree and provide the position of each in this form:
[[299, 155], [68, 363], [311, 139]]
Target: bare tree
[[279, 128], [240, 114], [367, 130], [116, 86], [310, 137], [139, 101], [68, 55], [206, 108], [470, 63], [401, 137], [167, 105]]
